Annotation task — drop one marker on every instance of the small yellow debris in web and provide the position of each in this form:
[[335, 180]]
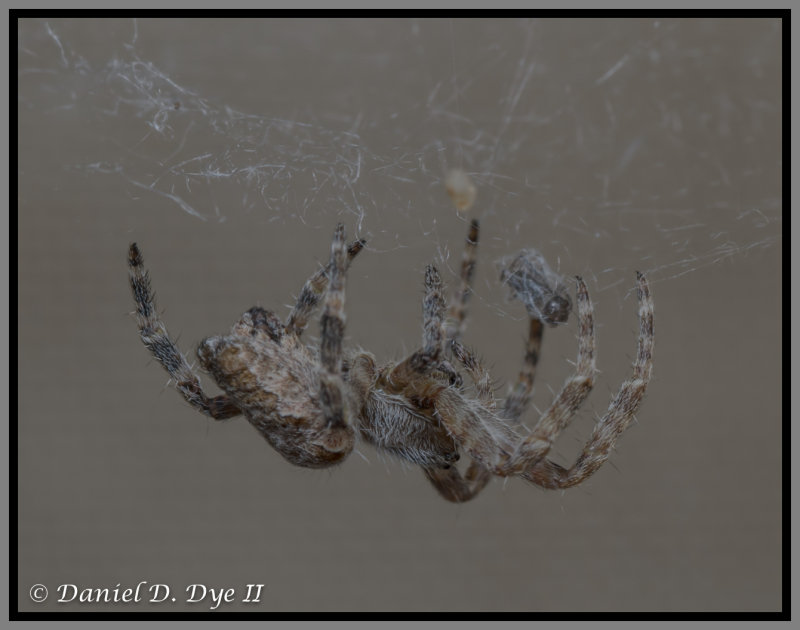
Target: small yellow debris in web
[[461, 189]]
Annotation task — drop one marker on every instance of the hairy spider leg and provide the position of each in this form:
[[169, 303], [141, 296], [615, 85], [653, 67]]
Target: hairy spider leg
[[572, 395], [156, 339], [338, 427], [621, 411], [457, 317], [488, 438], [426, 359], [519, 398], [313, 290], [479, 375], [449, 482]]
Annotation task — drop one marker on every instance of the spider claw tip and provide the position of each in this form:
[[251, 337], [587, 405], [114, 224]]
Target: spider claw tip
[[134, 255]]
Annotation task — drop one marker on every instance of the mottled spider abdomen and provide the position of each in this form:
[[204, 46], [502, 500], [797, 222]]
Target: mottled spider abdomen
[[271, 377]]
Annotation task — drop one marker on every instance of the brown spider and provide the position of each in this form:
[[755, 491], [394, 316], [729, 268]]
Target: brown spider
[[311, 404]]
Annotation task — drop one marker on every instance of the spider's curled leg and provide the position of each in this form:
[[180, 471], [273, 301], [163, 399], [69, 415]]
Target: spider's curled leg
[[313, 290], [621, 411], [575, 390], [156, 339]]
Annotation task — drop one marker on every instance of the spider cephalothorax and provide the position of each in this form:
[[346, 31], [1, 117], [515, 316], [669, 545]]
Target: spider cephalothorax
[[312, 404]]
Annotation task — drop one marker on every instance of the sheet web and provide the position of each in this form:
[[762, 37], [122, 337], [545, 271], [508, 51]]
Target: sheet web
[[655, 141]]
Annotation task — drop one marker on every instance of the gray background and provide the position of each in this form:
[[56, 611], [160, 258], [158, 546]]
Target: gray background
[[228, 150]]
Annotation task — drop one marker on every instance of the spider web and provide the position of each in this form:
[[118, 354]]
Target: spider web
[[605, 143]]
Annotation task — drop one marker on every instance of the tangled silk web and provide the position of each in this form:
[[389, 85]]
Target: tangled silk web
[[660, 140]]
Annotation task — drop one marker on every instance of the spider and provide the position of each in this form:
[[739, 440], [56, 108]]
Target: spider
[[312, 404]]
